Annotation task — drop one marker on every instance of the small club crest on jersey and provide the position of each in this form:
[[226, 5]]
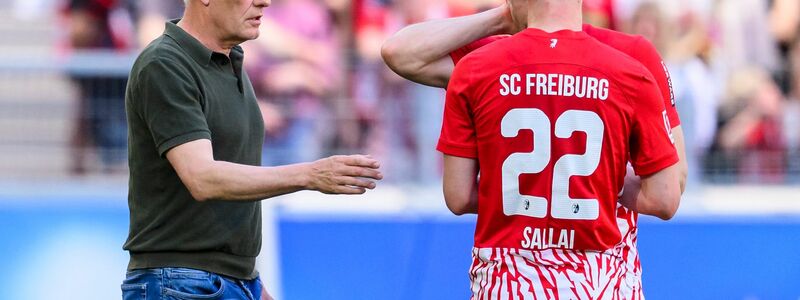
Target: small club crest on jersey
[[553, 43]]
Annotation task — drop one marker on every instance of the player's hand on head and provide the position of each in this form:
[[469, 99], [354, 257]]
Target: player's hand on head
[[509, 26], [344, 174]]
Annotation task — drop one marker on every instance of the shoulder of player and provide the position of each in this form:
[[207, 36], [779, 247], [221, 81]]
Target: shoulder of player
[[618, 40], [622, 70], [636, 46], [616, 60], [637, 54]]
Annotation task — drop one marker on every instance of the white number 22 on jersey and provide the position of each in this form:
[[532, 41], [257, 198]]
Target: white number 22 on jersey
[[562, 206]]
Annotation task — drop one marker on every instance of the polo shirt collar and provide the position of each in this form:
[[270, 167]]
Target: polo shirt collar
[[190, 44]]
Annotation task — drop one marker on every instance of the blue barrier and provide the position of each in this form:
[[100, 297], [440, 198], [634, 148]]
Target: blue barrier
[[721, 258], [428, 258], [400, 256]]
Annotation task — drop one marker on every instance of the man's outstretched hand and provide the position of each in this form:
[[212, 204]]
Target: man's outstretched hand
[[344, 174]]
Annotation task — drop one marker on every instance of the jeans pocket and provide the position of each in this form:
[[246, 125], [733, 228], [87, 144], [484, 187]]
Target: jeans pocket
[[134, 291], [211, 286]]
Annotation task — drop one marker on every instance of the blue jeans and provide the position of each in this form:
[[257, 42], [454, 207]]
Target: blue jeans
[[183, 283]]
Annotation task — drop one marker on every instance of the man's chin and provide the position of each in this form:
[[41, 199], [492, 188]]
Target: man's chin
[[247, 36], [252, 35]]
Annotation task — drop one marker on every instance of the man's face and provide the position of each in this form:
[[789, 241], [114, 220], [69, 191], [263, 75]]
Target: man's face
[[519, 12], [237, 20]]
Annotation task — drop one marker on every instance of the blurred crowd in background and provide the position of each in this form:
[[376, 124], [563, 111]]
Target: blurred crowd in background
[[323, 88]]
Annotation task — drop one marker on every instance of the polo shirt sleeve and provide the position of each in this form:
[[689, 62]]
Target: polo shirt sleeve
[[169, 102]]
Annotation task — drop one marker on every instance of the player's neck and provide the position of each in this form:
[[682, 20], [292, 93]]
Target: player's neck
[[555, 15]]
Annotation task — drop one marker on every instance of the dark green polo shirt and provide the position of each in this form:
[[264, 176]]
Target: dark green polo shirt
[[180, 91]]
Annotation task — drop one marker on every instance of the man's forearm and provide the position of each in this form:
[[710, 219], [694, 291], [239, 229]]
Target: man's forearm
[[412, 49], [209, 179], [235, 182]]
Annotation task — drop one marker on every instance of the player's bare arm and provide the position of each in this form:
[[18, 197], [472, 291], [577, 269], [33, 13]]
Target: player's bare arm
[[460, 184], [654, 195], [209, 179], [420, 52]]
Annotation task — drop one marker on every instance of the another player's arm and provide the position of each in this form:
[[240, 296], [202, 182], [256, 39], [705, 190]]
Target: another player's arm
[[460, 184], [421, 52], [209, 179]]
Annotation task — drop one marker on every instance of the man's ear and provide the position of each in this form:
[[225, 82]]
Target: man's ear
[[206, 2]]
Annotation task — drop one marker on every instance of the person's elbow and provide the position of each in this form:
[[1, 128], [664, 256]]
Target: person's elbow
[[662, 193], [390, 52], [396, 57], [669, 206], [201, 184], [198, 171], [666, 202], [202, 195], [457, 202]]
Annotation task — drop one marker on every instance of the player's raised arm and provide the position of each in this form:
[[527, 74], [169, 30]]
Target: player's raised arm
[[421, 52]]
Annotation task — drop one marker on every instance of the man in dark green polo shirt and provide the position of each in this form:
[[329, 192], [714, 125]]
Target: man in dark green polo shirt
[[195, 137]]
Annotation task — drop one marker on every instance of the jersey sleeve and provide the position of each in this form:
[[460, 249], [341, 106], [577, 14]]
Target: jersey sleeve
[[458, 137], [651, 148], [170, 106], [647, 54], [459, 53]]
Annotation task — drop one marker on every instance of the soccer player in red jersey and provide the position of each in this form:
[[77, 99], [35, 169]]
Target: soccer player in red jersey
[[427, 52], [551, 127]]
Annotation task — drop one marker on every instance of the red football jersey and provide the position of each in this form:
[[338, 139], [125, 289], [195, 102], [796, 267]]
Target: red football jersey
[[553, 133], [633, 45]]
